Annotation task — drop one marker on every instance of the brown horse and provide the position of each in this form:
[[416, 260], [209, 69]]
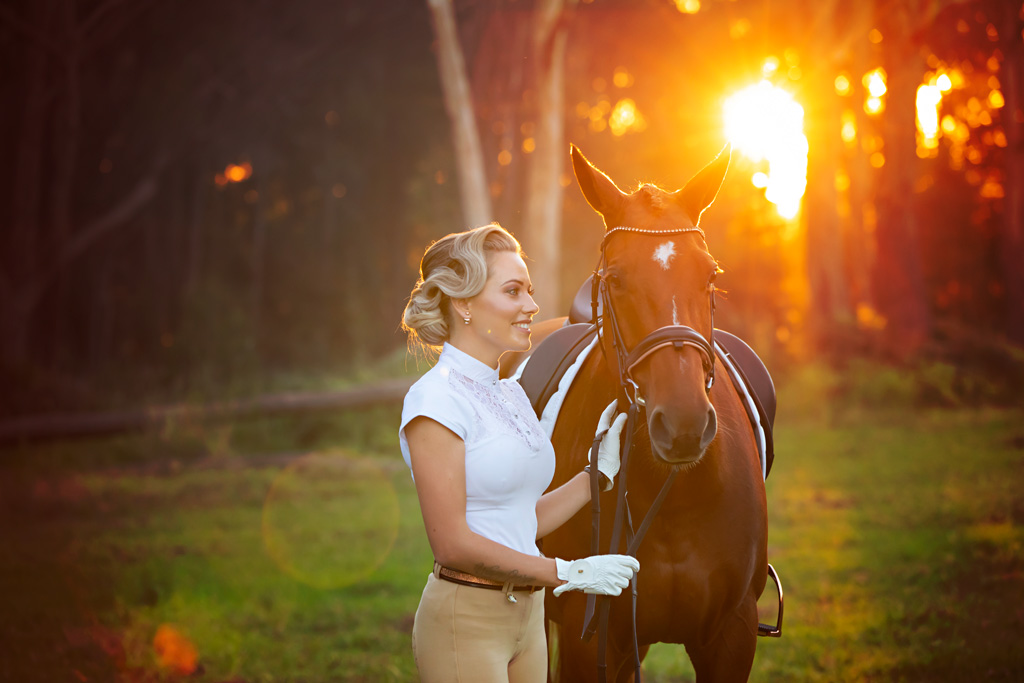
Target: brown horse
[[703, 562]]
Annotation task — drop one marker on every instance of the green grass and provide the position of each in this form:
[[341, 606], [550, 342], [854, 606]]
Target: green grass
[[898, 532]]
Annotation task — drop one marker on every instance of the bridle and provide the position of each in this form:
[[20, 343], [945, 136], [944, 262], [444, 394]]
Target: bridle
[[678, 337]]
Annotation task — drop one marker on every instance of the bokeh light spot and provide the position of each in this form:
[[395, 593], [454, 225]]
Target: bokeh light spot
[[330, 520]]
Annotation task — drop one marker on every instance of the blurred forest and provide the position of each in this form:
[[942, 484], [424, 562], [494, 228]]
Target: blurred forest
[[198, 196]]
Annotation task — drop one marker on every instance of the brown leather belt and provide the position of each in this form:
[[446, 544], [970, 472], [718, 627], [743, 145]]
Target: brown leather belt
[[455, 576]]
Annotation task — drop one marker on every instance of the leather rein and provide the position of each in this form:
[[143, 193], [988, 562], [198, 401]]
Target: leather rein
[[677, 337]]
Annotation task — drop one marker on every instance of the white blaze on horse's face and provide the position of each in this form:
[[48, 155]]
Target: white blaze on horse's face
[[675, 312], [664, 253]]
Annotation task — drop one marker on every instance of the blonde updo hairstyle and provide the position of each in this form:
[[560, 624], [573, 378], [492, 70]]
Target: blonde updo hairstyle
[[453, 267]]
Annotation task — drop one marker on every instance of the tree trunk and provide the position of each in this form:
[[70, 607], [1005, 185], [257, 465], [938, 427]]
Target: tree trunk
[[1012, 118], [898, 277], [20, 262], [543, 218], [829, 294], [458, 100]]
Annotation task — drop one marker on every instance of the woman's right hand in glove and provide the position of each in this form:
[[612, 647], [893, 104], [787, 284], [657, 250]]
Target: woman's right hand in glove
[[598, 574]]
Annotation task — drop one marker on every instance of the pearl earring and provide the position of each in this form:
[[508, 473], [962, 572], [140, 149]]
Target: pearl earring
[[466, 319]]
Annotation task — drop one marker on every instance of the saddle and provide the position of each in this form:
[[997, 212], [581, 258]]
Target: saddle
[[542, 375]]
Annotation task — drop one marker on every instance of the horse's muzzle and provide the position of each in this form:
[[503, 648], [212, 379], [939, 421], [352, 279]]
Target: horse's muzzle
[[678, 444]]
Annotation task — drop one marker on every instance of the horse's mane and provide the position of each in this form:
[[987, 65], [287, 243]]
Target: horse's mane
[[655, 197]]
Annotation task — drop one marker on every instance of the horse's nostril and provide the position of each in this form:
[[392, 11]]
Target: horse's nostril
[[660, 434], [710, 429]]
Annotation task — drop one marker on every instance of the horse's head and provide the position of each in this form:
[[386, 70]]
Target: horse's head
[[658, 274]]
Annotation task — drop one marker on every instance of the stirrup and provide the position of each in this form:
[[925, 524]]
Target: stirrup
[[765, 629]]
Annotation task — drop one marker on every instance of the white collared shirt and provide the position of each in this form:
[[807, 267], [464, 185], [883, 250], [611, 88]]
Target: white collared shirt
[[509, 459]]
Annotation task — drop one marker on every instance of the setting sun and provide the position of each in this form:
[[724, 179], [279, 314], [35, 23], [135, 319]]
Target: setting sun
[[765, 123]]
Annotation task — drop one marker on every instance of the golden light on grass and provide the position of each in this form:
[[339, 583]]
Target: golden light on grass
[[765, 123], [330, 520]]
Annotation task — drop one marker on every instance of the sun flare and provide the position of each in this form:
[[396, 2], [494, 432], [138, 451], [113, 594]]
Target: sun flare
[[765, 123]]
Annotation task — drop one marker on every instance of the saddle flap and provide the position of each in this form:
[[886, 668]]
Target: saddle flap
[[549, 361]]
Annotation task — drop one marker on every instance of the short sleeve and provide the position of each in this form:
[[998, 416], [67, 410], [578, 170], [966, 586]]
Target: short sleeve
[[435, 400]]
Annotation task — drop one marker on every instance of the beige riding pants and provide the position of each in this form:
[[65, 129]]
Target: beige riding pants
[[467, 634]]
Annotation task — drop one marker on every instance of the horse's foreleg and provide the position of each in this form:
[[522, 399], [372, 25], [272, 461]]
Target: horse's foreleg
[[729, 657]]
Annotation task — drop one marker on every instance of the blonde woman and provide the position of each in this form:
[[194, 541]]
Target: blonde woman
[[481, 464]]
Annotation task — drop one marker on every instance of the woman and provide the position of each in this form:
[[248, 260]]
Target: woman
[[481, 464]]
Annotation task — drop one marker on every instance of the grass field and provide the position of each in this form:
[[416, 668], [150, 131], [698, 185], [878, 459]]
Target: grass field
[[292, 550]]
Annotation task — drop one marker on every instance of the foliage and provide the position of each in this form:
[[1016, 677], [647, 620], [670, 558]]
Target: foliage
[[896, 528]]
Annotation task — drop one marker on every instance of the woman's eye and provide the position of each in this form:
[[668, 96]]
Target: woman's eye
[[514, 291]]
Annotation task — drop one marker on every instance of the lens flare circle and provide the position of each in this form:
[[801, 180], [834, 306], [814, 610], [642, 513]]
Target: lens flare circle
[[330, 519]]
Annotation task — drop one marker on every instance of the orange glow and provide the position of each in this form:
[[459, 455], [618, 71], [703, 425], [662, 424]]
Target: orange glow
[[848, 131], [236, 173], [504, 157], [995, 99], [992, 189], [739, 28], [174, 651], [688, 6], [875, 36], [874, 81], [929, 97], [622, 78], [944, 82], [625, 118], [843, 85], [529, 144], [770, 66], [877, 160], [842, 181], [869, 318], [764, 122]]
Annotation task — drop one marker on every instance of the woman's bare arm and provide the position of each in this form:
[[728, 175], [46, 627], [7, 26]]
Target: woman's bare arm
[[556, 507], [438, 458]]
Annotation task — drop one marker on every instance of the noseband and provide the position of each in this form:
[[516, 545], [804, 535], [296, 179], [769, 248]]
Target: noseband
[[677, 336]]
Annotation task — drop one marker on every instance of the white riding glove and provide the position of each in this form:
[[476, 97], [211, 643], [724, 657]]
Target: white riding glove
[[597, 574], [608, 451]]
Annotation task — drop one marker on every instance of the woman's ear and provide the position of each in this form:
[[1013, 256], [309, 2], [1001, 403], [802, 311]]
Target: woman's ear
[[460, 307]]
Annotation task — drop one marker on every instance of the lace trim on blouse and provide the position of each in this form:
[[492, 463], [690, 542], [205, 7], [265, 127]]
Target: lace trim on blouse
[[507, 409]]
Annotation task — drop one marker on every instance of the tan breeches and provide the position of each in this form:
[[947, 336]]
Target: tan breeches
[[464, 634]]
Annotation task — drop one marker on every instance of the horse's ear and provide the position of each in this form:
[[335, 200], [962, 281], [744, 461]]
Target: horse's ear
[[702, 189], [599, 190]]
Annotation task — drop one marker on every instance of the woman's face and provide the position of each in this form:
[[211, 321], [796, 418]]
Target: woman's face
[[501, 314]]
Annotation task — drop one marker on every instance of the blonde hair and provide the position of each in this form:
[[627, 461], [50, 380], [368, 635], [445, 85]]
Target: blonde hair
[[453, 267]]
